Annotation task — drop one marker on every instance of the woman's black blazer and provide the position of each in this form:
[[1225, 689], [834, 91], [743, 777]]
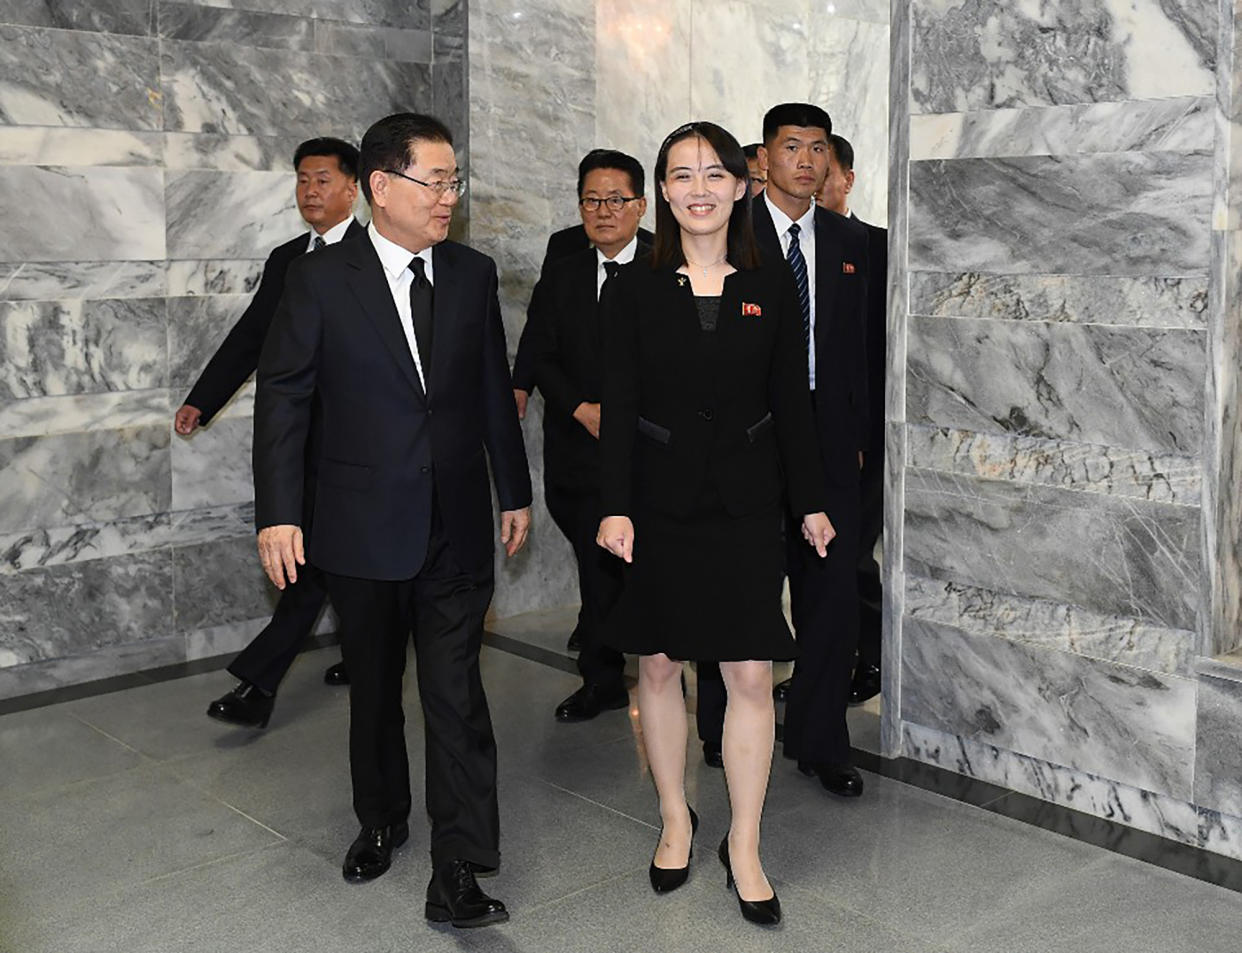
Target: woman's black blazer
[[682, 406]]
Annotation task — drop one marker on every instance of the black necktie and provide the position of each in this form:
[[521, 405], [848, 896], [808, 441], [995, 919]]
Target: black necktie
[[420, 313], [610, 271], [318, 243], [798, 263]]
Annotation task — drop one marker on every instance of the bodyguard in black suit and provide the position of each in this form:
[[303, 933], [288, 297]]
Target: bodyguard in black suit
[[327, 187], [561, 344], [834, 196], [399, 338], [831, 266]]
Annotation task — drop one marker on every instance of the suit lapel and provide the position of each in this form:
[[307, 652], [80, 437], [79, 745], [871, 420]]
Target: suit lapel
[[828, 262], [369, 284], [765, 230], [446, 296]]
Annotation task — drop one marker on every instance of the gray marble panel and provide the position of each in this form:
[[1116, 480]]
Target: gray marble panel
[[220, 582], [1130, 214], [213, 24], [230, 214], [134, 17], [211, 277], [196, 327], [81, 347], [245, 91], [57, 546], [1220, 833], [37, 145], [376, 42], [1218, 753], [448, 28], [44, 416], [398, 13], [227, 639], [62, 479], [451, 103], [212, 467], [222, 152], [87, 279], [84, 79], [72, 609], [1182, 124], [1107, 554], [982, 54], [1122, 387], [103, 214], [1091, 299], [1142, 475], [1109, 720], [1055, 625], [105, 662], [1100, 797]]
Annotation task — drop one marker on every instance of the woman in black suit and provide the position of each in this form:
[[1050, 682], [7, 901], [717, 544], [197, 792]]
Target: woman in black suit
[[706, 434]]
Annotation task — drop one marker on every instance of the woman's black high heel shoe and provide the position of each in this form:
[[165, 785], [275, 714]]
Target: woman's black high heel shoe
[[664, 879], [766, 912]]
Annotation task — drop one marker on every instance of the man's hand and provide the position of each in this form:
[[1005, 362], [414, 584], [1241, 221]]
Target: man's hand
[[514, 528], [588, 415], [616, 534], [280, 551], [817, 530], [186, 420], [520, 397]]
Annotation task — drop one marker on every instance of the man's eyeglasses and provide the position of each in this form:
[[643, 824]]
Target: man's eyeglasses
[[615, 203], [440, 186]]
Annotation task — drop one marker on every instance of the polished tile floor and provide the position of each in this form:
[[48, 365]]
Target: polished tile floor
[[130, 822]]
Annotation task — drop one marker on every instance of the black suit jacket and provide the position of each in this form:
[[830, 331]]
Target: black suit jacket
[[877, 327], [388, 447], [841, 399], [567, 241], [238, 356], [683, 407], [562, 346]]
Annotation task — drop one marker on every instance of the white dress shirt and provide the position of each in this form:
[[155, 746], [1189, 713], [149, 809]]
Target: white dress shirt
[[396, 261], [806, 241], [331, 236], [623, 257]]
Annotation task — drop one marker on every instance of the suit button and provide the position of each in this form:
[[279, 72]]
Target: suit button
[[707, 414], [424, 469]]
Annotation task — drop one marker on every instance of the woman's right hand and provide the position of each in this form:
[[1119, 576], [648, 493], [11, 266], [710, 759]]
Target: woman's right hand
[[616, 534]]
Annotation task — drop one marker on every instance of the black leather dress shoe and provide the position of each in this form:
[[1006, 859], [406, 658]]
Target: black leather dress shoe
[[712, 755], [370, 854], [764, 912], [246, 705], [780, 691], [590, 700], [453, 896], [842, 780], [336, 674], [664, 879], [865, 684]]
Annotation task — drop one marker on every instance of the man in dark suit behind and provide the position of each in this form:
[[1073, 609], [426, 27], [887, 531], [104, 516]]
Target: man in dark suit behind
[[399, 338], [327, 187], [561, 344], [834, 196], [828, 255]]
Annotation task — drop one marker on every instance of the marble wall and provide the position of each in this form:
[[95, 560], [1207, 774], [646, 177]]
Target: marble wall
[[552, 79], [144, 176], [1063, 525]]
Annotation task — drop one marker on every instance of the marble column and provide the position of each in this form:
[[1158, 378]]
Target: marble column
[[1063, 529], [144, 176]]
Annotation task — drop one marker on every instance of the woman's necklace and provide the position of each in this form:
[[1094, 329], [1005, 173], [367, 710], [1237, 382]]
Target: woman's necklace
[[703, 268]]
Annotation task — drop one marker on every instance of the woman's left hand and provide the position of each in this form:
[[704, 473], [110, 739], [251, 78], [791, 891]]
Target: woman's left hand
[[817, 530]]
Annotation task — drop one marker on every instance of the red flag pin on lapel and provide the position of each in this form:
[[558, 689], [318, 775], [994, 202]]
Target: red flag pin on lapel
[[847, 267]]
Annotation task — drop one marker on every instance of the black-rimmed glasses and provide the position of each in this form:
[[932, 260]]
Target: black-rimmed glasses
[[614, 202], [440, 186]]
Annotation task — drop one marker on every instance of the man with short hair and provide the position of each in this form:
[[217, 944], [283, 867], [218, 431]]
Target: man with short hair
[[327, 187], [398, 337], [561, 345], [828, 256], [834, 196], [758, 177]]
